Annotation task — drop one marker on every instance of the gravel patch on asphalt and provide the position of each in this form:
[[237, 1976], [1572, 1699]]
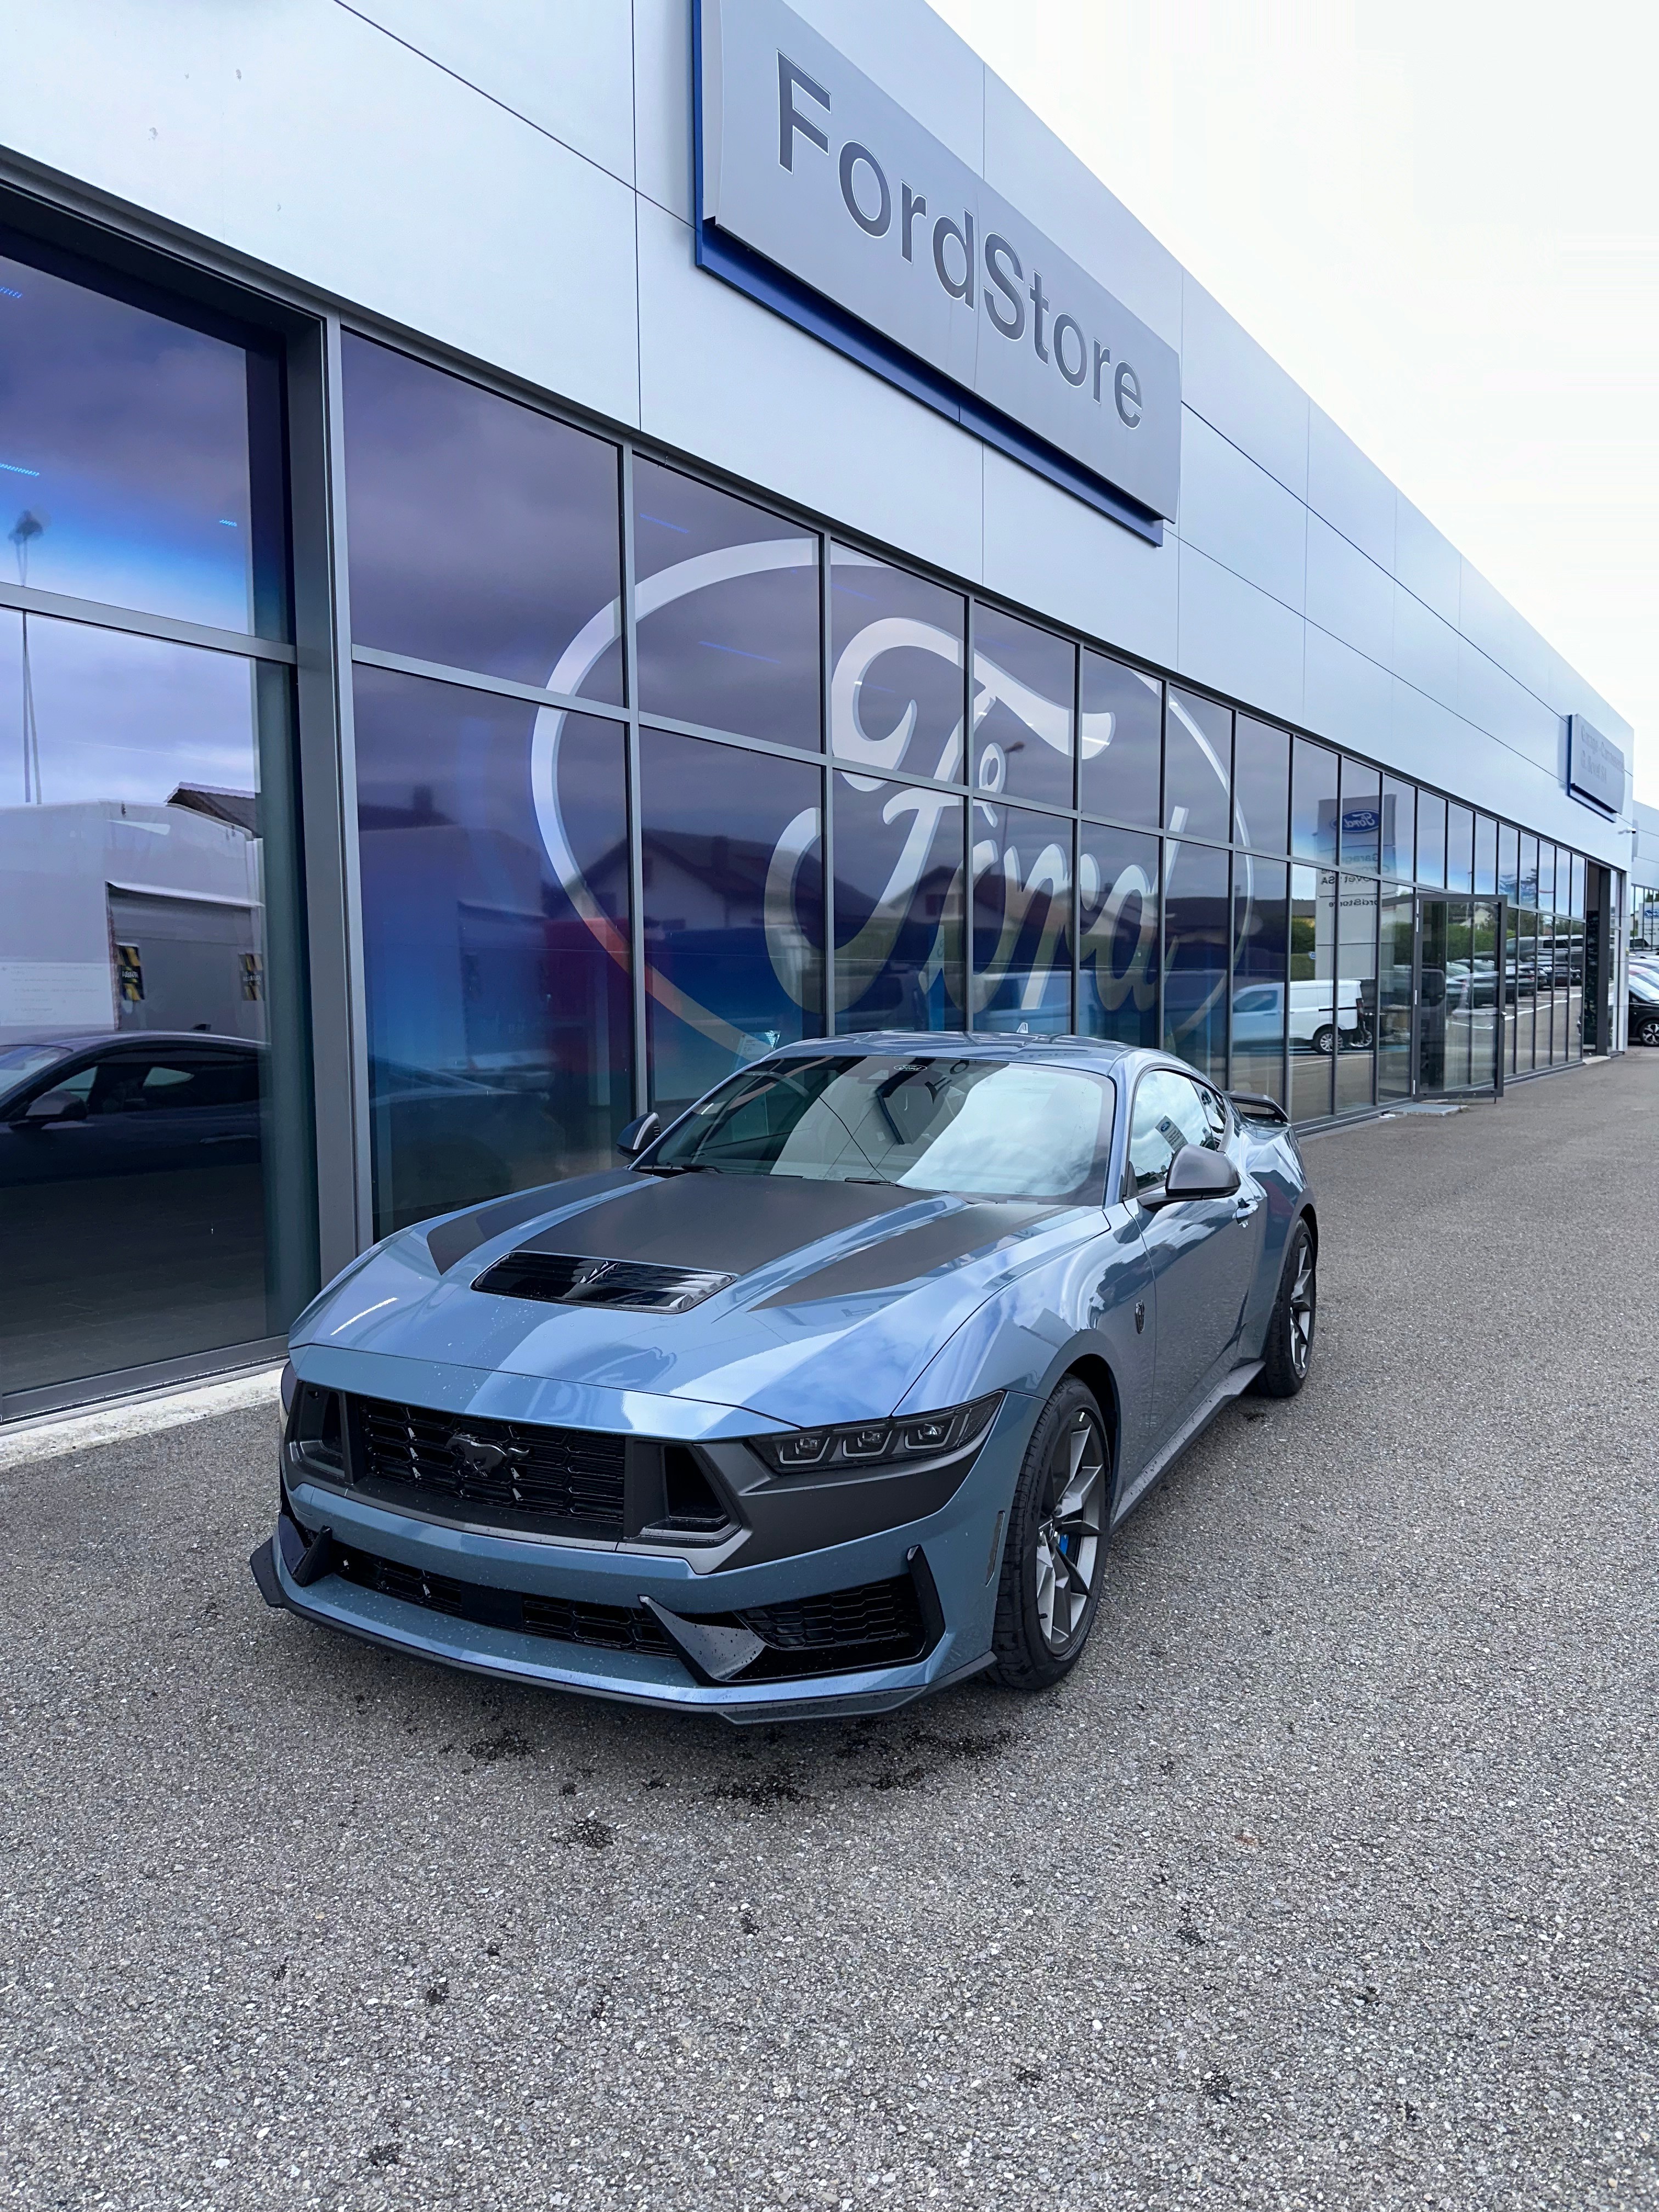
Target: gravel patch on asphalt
[[1328, 1878]]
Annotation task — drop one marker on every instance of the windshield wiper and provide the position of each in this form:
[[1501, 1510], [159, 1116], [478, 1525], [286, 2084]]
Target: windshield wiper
[[678, 1167]]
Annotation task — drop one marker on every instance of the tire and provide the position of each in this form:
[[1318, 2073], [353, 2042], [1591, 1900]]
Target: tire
[[1324, 1040], [1054, 1561], [1289, 1344], [1648, 1033]]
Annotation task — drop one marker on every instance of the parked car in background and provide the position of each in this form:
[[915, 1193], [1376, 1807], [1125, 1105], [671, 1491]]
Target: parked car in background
[[1643, 1007]]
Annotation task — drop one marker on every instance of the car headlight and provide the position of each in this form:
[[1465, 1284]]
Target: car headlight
[[879, 1443]]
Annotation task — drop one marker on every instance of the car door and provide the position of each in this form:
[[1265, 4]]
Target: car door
[[1203, 1252]]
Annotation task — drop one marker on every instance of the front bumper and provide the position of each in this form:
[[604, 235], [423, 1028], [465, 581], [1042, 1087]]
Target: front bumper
[[948, 1557]]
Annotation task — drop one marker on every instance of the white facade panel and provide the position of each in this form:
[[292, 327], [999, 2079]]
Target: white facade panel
[[1346, 697], [1235, 512], [1427, 564], [1229, 631], [1348, 595], [662, 104], [1229, 379], [1424, 648], [308, 141], [568, 70], [1050, 552], [722, 379], [1351, 492]]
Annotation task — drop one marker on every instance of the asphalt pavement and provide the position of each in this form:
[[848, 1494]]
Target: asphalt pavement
[[1328, 1879]]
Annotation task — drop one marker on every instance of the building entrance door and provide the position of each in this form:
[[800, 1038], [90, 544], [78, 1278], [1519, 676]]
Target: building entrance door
[[1458, 991]]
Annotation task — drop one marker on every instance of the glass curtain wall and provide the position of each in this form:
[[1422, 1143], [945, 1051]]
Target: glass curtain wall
[[155, 1145], [652, 778]]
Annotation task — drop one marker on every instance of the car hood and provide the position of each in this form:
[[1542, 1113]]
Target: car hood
[[842, 1292]]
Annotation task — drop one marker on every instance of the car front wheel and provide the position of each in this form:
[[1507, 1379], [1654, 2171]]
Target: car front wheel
[[1647, 1032], [1289, 1345], [1055, 1554]]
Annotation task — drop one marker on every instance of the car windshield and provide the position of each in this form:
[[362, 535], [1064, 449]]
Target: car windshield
[[983, 1128], [20, 1061]]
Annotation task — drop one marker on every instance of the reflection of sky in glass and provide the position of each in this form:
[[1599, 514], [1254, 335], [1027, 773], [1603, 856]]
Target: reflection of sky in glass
[[121, 717], [727, 610], [1122, 715], [481, 534], [126, 437]]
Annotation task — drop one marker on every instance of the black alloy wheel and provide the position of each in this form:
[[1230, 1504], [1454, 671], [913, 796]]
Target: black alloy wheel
[[1647, 1030], [1054, 1558], [1289, 1347]]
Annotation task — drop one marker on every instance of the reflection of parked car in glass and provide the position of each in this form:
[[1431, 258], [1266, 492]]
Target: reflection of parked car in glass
[[1644, 1008], [1258, 1016]]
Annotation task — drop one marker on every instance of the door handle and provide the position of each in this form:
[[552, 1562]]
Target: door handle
[[1244, 1207]]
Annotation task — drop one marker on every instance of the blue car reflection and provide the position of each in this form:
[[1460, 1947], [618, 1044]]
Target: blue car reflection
[[831, 1396]]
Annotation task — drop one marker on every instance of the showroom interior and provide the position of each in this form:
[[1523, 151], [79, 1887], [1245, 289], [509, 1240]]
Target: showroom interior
[[418, 755]]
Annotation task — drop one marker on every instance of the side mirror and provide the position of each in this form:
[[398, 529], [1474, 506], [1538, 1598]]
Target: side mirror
[[54, 1106], [640, 1133], [1195, 1172]]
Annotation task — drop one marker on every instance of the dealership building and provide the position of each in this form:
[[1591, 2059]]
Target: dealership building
[[550, 549]]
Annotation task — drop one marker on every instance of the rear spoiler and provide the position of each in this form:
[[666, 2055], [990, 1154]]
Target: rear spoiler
[[1257, 1106]]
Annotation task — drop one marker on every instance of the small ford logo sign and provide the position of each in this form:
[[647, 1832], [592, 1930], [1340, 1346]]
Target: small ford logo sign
[[477, 1456]]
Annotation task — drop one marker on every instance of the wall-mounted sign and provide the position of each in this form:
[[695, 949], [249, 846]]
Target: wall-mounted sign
[[819, 194], [1596, 767]]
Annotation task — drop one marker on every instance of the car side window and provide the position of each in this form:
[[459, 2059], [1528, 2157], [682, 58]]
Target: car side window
[[137, 1085], [1170, 1111], [72, 1086]]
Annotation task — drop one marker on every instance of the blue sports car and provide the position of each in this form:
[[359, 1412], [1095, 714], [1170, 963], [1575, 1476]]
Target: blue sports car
[[831, 1396]]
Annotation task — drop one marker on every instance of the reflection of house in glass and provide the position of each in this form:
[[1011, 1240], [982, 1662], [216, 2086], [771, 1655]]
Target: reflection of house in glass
[[115, 915]]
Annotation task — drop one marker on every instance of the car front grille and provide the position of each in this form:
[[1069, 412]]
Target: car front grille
[[879, 1624], [513, 1474]]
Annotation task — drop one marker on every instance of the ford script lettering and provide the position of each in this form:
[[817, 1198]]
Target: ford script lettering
[[806, 162]]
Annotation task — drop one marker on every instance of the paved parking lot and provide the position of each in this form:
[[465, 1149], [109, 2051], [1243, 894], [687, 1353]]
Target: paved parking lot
[[1329, 1878]]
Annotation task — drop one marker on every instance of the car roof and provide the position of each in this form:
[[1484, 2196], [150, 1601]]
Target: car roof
[[125, 1040], [1097, 1053]]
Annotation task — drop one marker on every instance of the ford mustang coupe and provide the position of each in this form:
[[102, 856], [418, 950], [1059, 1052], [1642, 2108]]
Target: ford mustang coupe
[[831, 1396]]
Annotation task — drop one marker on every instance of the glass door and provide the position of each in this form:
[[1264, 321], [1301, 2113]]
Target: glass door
[[1432, 929], [1459, 989]]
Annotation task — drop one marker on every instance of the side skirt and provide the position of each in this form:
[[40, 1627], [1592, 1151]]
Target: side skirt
[[1231, 1387]]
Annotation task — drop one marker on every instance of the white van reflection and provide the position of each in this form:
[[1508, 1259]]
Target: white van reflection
[[1261, 1020]]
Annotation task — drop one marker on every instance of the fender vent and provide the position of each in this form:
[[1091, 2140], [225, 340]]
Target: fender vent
[[562, 1279]]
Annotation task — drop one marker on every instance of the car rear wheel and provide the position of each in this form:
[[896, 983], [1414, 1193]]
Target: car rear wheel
[[1289, 1347], [1055, 1555], [1647, 1030]]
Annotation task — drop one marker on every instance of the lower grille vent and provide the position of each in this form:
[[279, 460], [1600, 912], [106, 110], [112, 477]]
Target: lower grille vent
[[879, 1624], [609, 1627], [562, 1279], [511, 1474]]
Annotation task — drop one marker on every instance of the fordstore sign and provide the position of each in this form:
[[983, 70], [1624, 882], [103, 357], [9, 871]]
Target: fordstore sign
[[821, 197]]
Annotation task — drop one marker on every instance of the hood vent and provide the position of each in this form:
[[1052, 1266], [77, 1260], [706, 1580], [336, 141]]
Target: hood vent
[[562, 1279]]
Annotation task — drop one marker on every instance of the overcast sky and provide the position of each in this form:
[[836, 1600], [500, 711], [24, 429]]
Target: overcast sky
[[1442, 217]]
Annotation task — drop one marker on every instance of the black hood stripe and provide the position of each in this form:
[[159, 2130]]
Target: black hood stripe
[[915, 1252], [452, 1240], [719, 1224]]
